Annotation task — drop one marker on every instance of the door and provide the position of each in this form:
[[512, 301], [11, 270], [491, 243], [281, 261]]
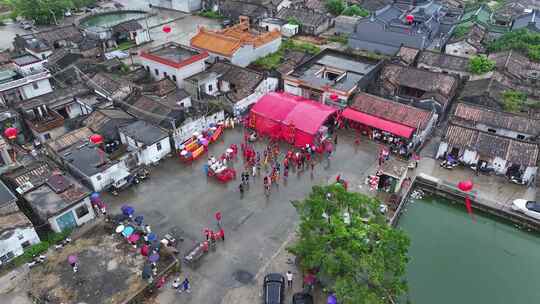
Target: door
[[66, 221]]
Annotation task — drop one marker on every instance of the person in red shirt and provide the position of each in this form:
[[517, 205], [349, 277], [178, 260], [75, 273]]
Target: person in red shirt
[[218, 218]]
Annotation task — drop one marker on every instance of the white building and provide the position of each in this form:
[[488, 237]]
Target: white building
[[152, 143], [238, 44], [186, 6], [61, 202], [16, 231], [173, 61], [25, 79]]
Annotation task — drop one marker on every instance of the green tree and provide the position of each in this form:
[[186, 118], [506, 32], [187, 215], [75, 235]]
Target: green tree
[[355, 10], [481, 64], [293, 21], [522, 40], [344, 236], [44, 11], [513, 100], [461, 31], [335, 7]]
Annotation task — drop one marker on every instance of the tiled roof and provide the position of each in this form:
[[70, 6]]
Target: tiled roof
[[227, 41], [491, 145], [243, 80], [69, 139], [307, 17], [392, 111], [106, 122], [13, 220], [407, 54], [127, 26], [444, 61], [497, 119], [35, 173], [515, 65], [154, 111]]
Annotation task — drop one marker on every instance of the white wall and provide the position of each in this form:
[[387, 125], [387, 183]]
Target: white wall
[[293, 89], [191, 126], [247, 54], [54, 134], [43, 87], [113, 174], [181, 73], [142, 37], [41, 55], [461, 48], [268, 85], [89, 216], [151, 155], [186, 5], [32, 68], [19, 236]]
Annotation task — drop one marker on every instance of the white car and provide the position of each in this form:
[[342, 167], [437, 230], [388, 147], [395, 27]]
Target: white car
[[529, 208]]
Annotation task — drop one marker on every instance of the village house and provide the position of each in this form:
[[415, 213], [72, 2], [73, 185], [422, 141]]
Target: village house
[[386, 30], [91, 102], [517, 68], [23, 79], [87, 162], [16, 231], [468, 45], [155, 110], [61, 202], [130, 30], [311, 22], [239, 44], [407, 56], [502, 141], [173, 61], [530, 21], [331, 77], [345, 25], [42, 44], [420, 88], [151, 143], [231, 86], [443, 63], [106, 123], [104, 85], [369, 113]]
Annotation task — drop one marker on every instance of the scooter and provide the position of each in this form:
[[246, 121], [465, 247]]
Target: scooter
[[40, 259], [62, 243], [517, 180], [448, 165]]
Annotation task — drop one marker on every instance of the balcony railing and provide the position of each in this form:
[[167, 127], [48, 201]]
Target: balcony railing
[[23, 81]]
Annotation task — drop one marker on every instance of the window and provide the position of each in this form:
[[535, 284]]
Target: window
[[25, 244], [98, 177], [492, 130], [521, 136], [6, 257], [174, 78], [47, 136], [35, 85], [158, 146], [156, 71], [82, 211], [210, 88], [165, 75]]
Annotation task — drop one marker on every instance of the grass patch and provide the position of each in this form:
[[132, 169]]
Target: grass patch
[[342, 39], [211, 15], [272, 61], [521, 40], [126, 45], [37, 249]]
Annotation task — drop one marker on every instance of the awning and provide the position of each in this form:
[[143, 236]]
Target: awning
[[379, 123]]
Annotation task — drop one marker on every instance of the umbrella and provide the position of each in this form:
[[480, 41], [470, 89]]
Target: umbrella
[[230, 150], [72, 259], [332, 299], [151, 237], [94, 196], [139, 220], [119, 229], [196, 134], [183, 153], [134, 237], [204, 142], [127, 231], [153, 258], [127, 210], [145, 249]]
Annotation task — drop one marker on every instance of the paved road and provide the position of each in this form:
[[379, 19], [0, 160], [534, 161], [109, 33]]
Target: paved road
[[179, 196]]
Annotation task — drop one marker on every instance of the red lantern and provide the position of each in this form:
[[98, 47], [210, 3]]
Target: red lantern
[[167, 29], [11, 133], [96, 139], [334, 97], [410, 18]]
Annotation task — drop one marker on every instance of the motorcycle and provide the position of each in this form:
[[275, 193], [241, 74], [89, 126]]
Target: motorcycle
[[62, 243], [517, 180], [449, 164], [40, 259]]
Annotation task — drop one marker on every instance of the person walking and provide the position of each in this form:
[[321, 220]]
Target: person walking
[[176, 285], [186, 286], [241, 189], [254, 171], [218, 218], [222, 234], [289, 279]]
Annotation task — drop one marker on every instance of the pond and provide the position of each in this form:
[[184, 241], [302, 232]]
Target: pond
[[457, 259], [111, 19]]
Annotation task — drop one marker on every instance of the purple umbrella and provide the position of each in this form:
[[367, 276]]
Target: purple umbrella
[[153, 258], [127, 210], [332, 299], [152, 237], [72, 259], [94, 196]]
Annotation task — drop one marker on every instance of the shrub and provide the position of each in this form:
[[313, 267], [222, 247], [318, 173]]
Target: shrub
[[481, 64]]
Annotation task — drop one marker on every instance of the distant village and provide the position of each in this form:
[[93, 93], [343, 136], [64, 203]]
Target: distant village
[[408, 71]]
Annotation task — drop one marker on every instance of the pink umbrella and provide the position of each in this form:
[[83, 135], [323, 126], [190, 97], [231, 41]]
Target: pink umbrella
[[72, 259], [144, 250], [133, 238]]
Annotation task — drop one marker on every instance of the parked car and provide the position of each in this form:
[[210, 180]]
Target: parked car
[[273, 288], [529, 208], [302, 298]]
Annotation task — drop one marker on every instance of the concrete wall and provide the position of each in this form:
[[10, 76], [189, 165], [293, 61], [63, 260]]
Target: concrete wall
[[270, 84], [31, 68], [150, 154], [190, 126], [186, 5], [53, 133], [43, 87], [460, 48], [247, 54], [14, 242], [180, 74], [502, 132], [89, 216], [113, 174], [41, 55], [460, 74]]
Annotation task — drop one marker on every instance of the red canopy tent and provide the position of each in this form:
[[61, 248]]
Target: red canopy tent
[[379, 123], [279, 114]]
